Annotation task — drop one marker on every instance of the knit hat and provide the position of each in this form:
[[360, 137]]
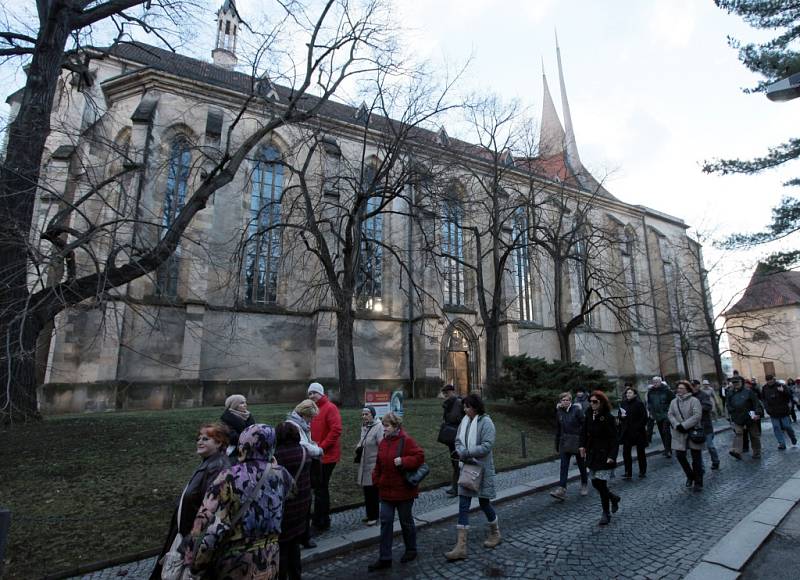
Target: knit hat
[[316, 388], [234, 401], [371, 410]]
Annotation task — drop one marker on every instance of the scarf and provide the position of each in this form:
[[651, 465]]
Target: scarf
[[468, 432], [231, 404]]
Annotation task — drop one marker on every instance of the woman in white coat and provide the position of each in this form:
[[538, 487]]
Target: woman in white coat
[[685, 412], [366, 457]]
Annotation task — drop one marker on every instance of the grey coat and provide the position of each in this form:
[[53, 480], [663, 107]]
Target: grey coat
[[692, 413], [480, 454], [371, 436]]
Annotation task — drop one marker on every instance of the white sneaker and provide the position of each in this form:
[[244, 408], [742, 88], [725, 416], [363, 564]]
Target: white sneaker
[[371, 522]]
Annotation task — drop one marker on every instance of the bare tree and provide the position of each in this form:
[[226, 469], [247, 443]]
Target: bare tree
[[344, 40]]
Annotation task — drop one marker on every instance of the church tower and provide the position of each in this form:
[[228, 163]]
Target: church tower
[[228, 21]]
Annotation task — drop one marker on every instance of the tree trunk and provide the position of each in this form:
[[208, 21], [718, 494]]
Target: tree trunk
[[19, 176], [493, 354], [348, 391], [564, 351]]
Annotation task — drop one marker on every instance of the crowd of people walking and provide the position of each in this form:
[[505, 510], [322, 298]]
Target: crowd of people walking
[[247, 510]]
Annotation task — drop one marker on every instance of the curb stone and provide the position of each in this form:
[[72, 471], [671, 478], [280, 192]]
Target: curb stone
[[727, 558]]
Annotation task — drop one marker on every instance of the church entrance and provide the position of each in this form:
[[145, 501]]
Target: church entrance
[[460, 358]]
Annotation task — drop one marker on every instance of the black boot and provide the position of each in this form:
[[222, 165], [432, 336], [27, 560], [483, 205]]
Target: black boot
[[605, 519], [614, 502], [379, 565]]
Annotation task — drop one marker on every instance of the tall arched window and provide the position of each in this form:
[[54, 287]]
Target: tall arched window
[[263, 252], [453, 253], [180, 159], [629, 267], [369, 283], [523, 282]]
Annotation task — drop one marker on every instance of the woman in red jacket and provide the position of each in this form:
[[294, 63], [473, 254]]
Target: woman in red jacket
[[396, 453]]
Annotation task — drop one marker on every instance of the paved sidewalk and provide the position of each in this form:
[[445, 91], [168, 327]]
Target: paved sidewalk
[[348, 532], [662, 529], [778, 558]]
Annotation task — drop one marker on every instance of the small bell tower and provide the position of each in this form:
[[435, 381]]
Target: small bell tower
[[228, 21]]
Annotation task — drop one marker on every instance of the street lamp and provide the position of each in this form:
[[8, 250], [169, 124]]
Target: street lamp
[[784, 89]]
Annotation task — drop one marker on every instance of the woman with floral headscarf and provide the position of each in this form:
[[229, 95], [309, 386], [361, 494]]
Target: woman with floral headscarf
[[235, 534]]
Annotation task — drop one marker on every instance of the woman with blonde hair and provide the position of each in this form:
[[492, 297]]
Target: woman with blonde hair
[[236, 417], [300, 418]]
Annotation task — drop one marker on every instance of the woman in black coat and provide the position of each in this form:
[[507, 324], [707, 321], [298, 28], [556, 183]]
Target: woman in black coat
[[633, 431], [237, 418], [600, 450], [212, 440]]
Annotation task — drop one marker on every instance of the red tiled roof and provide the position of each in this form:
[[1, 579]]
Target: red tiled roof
[[768, 288]]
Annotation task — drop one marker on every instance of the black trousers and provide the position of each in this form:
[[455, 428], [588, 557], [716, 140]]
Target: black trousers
[[289, 566], [371, 501], [695, 472], [322, 497], [641, 457], [666, 434]]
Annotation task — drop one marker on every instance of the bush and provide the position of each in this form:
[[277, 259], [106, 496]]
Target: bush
[[537, 383]]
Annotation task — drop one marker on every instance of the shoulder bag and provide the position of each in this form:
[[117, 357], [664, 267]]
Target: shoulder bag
[[360, 448], [412, 478], [172, 566], [471, 477], [696, 434]]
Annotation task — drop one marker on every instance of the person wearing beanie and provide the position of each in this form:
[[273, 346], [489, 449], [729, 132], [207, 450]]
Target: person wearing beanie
[[326, 430], [366, 456]]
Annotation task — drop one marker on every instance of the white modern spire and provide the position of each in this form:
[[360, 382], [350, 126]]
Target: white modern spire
[[551, 133], [571, 146]]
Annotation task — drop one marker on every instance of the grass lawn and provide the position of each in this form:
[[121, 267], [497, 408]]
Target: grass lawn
[[84, 488]]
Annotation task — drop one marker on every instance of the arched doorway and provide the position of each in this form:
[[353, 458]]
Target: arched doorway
[[460, 357]]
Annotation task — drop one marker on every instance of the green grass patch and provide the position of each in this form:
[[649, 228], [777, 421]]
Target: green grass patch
[[83, 488]]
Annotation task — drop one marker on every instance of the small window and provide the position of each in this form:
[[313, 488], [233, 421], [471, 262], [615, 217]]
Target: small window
[[760, 336]]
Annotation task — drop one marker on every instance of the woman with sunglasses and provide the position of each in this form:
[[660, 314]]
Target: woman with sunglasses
[[600, 451]]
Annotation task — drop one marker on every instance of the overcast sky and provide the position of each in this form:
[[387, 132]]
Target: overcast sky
[[654, 90]]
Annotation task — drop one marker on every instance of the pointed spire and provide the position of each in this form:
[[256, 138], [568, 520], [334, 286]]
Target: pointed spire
[[551, 133], [571, 146]]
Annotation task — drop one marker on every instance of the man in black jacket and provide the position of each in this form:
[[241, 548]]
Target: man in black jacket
[[452, 413], [778, 400]]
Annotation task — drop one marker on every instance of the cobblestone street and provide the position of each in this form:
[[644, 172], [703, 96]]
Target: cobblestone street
[[661, 531]]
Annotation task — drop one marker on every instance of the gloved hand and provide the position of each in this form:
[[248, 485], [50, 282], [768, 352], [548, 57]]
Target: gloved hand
[[680, 428]]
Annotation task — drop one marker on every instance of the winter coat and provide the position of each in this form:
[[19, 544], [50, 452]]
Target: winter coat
[[633, 426], [687, 411], [568, 422], [218, 547], [452, 411], [314, 450], [371, 437], [235, 425], [388, 476], [707, 404], [326, 430], [481, 454], [777, 399], [600, 441], [296, 507], [583, 401], [196, 489], [658, 401], [740, 401]]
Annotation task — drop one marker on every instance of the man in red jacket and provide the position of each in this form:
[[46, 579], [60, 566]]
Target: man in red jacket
[[326, 429]]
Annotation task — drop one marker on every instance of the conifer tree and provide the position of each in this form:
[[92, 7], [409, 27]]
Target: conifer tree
[[773, 60]]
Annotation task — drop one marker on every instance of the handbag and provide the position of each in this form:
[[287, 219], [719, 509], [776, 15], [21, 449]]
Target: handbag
[[471, 477], [172, 566], [412, 478], [447, 434], [360, 448], [696, 434]]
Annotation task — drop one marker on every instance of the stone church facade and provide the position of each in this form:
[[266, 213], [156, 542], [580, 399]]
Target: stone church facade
[[227, 315]]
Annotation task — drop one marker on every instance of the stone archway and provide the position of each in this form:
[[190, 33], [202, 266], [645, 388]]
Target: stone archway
[[460, 357]]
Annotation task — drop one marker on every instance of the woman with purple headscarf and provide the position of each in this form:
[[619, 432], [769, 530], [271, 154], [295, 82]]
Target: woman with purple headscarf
[[235, 534]]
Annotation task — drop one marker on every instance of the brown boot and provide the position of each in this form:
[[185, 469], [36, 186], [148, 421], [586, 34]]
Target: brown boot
[[493, 538], [459, 551]]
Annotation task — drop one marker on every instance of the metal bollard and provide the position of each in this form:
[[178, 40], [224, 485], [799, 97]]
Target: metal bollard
[[524, 442], [5, 526]]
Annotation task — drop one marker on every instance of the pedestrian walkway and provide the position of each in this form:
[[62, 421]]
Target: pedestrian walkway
[[348, 531], [662, 529]]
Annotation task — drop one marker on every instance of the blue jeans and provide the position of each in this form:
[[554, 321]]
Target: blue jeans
[[779, 425], [464, 503], [406, 525], [565, 459], [712, 450]]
